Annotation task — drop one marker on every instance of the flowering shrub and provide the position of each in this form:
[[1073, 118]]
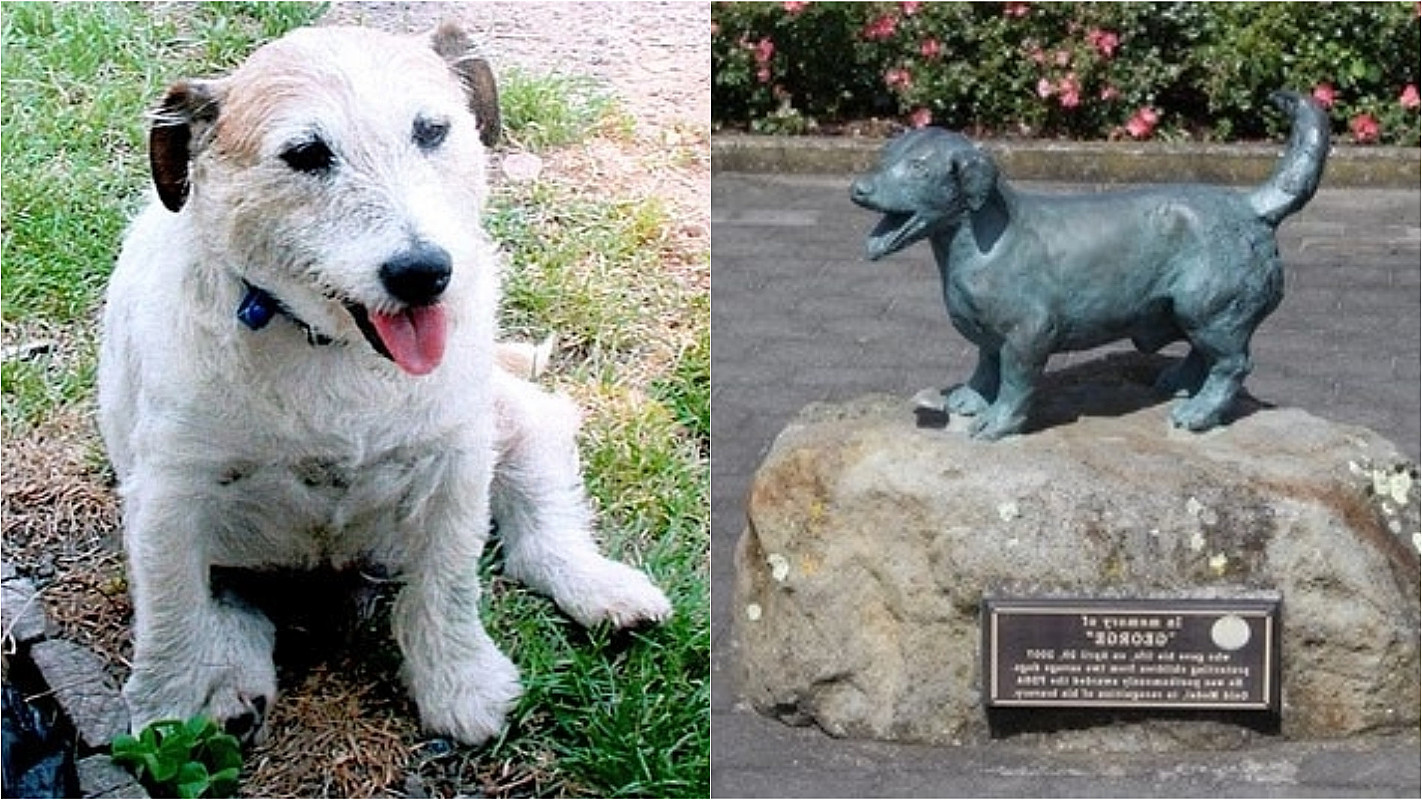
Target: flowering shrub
[[1080, 70]]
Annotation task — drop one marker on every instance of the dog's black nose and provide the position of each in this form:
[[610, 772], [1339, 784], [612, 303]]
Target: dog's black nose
[[417, 276]]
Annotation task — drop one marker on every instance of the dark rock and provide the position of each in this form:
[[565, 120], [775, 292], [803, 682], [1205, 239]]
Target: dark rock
[[83, 688], [99, 776], [22, 617]]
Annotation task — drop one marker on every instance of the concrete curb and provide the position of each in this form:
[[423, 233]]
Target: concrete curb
[[1079, 162]]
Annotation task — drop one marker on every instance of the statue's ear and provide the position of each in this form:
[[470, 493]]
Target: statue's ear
[[977, 175], [454, 45], [182, 126]]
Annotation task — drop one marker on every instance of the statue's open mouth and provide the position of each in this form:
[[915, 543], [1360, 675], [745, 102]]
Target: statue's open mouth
[[894, 232]]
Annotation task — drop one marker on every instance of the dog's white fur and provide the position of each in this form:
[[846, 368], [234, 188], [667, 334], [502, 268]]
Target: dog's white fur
[[259, 448]]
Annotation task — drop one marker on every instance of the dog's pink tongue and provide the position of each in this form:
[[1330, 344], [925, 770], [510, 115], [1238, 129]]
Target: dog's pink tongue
[[414, 337]]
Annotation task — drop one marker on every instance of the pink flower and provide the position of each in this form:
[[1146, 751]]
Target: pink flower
[[1324, 94], [1036, 54], [880, 28], [1070, 90], [931, 49], [792, 7], [910, 7], [1045, 88], [898, 78], [1015, 9], [764, 50], [1105, 42], [763, 74], [921, 117], [1142, 123], [1063, 57], [1110, 93], [1409, 97], [1365, 128]]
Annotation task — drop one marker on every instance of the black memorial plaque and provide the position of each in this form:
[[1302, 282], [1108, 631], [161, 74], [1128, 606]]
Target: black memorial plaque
[[1203, 654]]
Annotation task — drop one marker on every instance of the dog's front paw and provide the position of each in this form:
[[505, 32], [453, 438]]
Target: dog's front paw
[[965, 401], [238, 702], [226, 674], [996, 423], [608, 591], [469, 702], [1194, 415]]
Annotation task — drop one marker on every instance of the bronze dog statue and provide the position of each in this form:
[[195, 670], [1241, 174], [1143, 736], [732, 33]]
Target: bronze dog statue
[[1025, 275]]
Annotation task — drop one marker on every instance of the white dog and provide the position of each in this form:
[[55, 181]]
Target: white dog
[[298, 369]]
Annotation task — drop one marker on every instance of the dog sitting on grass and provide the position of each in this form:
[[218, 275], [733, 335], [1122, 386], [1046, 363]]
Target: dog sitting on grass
[[1027, 275], [299, 369]]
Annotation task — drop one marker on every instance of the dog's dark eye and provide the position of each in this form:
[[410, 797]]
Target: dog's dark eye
[[312, 156], [429, 134]]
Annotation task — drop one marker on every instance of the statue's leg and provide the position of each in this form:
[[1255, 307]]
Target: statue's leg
[[1219, 325], [1226, 351], [1021, 369], [971, 398], [1184, 376]]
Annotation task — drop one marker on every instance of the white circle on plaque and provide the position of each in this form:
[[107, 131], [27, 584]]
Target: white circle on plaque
[[1230, 632]]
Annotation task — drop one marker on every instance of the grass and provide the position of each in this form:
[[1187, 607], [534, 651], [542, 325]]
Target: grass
[[687, 390], [620, 716], [547, 111], [592, 288], [604, 713], [600, 273]]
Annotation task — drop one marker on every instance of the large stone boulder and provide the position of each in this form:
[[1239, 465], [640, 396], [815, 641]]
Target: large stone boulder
[[872, 540]]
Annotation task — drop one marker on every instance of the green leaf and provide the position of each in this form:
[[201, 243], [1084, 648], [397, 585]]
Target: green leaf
[[124, 743], [192, 758], [193, 780], [144, 764], [164, 728], [224, 782], [159, 768], [224, 752], [199, 728], [125, 749], [175, 748]]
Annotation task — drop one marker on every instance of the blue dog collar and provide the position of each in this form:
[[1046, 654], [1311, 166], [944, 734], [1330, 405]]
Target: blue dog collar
[[258, 306]]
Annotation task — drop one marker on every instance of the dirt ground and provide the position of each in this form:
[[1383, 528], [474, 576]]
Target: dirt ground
[[657, 56]]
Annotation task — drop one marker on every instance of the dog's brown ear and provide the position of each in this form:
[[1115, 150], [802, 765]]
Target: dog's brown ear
[[977, 175], [455, 46], [181, 126]]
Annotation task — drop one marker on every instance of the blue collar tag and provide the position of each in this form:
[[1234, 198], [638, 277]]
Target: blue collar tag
[[257, 308]]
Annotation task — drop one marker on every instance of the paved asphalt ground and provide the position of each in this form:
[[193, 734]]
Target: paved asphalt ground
[[799, 316]]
